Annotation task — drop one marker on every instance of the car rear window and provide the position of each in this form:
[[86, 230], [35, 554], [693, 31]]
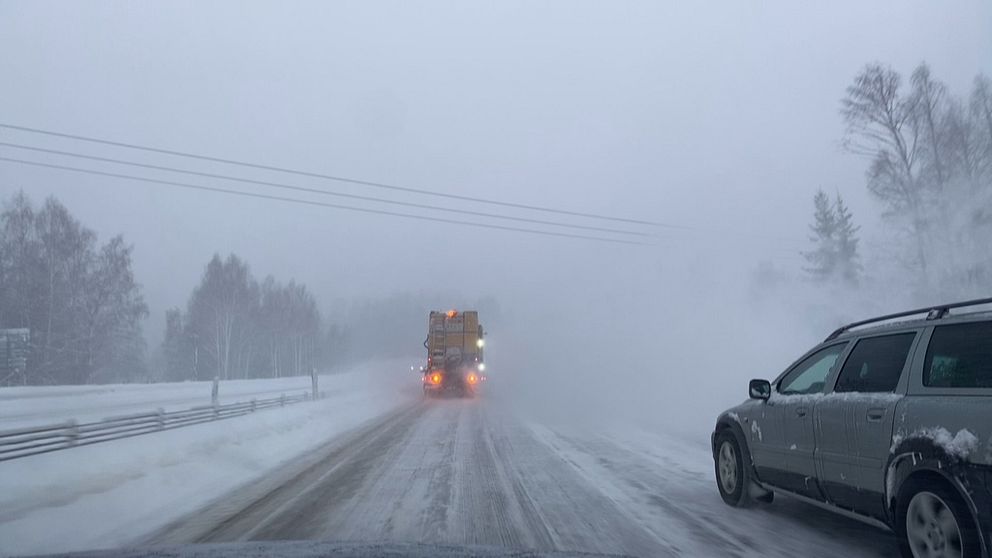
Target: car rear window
[[960, 356], [875, 364]]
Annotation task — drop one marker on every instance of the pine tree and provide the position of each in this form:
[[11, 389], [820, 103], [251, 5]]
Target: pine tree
[[848, 261], [823, 258]]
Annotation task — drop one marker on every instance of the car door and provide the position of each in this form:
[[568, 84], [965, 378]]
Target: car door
[[854, 421], [786, 434]]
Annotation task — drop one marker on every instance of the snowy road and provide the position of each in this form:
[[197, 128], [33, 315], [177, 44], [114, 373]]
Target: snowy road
[[470, 472]]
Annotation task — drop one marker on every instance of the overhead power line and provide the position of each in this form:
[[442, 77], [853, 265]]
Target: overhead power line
[[318, 204], [368, 183], [320, 191]]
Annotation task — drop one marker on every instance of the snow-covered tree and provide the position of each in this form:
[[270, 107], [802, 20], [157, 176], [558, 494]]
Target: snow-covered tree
[[931, 167], [79, 300], [237, 328]]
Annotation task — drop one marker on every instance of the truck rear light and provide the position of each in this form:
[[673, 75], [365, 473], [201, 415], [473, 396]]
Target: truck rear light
[[472, 378], [435, 378]]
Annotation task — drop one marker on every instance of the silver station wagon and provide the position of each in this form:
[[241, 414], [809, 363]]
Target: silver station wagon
[[887, 421]]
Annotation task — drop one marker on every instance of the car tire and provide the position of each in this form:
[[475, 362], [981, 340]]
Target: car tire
[[733, 479], [934, 516]]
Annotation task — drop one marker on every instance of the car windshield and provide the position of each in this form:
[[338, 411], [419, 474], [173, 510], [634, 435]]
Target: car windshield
[[475, 277]]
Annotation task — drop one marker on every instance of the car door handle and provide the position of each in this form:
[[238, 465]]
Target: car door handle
[[801, 412], [876, 414]]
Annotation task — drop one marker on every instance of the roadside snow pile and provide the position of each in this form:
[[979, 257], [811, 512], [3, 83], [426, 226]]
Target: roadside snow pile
[[960, 445], [42, 405], [107, 495]]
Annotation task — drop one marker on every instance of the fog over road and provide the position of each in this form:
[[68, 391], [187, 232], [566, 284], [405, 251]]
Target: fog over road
[[471, 472]]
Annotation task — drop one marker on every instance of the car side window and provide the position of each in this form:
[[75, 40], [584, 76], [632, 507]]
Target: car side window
[[959, 356], [808, 376], [875, 364]]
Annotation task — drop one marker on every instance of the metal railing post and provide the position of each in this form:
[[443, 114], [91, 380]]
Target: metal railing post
[[71, 433], [215, 391]]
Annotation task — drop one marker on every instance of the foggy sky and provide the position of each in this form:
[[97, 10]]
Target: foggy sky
[[719, 116]]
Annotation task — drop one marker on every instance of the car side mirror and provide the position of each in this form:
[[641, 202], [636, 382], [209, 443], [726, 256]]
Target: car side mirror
[[760, 389]]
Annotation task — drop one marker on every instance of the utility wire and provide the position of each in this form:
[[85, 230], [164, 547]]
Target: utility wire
[[317, 204], [320, 191], [339, 178]]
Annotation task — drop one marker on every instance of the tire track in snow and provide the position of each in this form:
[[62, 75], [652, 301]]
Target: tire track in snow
[[446, 472], [671, 497], [245, 509]]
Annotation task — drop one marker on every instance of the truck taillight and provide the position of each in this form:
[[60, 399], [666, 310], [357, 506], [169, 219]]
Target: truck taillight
[[435, 378], [472, 378]]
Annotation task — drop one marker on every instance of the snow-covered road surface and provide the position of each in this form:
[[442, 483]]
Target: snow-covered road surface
[[471, 472]]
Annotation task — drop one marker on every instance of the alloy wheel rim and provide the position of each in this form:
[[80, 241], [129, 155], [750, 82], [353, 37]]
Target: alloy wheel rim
[[728, 468], [931, 528]]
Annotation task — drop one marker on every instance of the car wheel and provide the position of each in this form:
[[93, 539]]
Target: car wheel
[[934, 522], [732, 478]]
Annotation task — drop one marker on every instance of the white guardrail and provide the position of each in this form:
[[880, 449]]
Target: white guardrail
[[32, 440]]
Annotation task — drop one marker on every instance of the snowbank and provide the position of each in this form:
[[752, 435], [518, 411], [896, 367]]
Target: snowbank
[[34, 405], [110, 494]]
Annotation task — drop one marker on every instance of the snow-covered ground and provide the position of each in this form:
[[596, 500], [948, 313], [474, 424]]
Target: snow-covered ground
[[105, 495], [28, 406], [374, 462]]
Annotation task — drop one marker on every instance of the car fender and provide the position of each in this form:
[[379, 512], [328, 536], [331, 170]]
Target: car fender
[[916, 454], [732, 421]]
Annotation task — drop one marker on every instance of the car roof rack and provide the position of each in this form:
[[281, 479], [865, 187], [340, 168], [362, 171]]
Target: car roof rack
[[932, 312]]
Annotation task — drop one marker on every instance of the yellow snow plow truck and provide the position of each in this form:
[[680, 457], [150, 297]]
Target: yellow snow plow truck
[[455, 346]]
